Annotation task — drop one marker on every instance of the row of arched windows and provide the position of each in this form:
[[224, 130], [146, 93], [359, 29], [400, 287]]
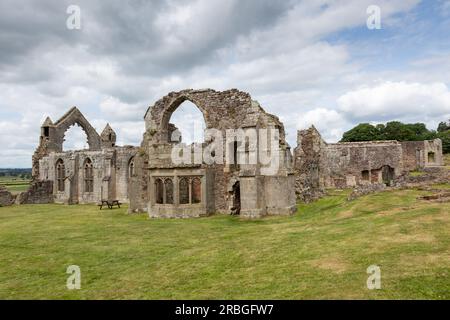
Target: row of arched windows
[[189, 190], [88, 175]]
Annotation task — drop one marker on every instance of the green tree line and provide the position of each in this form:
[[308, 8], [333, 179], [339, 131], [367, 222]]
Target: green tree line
[[396, 130]]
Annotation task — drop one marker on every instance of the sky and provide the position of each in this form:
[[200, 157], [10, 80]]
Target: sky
[[308, 62]]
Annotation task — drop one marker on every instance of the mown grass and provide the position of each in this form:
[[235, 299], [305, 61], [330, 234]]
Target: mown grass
[[416, 173], [322, 252]]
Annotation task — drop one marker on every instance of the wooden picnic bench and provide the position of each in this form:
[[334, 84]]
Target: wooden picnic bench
[[109, 203]]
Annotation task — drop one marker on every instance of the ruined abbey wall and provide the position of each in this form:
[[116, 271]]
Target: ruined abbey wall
[[6, 198], [83, 176], [259, 194], [110, 174], [152, 180], [319, 165]]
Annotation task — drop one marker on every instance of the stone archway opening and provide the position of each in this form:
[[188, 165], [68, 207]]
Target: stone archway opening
[[75, 138], [189, 122], [431, 157], [387, 174]]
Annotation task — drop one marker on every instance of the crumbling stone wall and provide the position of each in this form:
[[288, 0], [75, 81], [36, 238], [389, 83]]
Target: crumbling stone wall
[[416, 154], [52, 136], [231, 109], [347, 161], [6, 197], [310, 165], [110, 163], [319, 165], [40, 192]]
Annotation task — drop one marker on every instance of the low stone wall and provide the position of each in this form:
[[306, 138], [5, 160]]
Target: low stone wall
[[6, 197], [366, 189], [40, 192], [432, 175]]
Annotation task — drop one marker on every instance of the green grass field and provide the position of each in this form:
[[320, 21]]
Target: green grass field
[[14, 184], [322, 252]]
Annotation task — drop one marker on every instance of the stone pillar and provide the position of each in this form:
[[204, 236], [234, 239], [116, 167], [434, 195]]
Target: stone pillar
[[252, 197]]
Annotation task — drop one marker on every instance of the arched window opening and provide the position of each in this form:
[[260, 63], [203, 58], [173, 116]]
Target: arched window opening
[[159, 191], [184, 191], [196, 190], [75, 139], [131, 168], [60, 175], [88, 176], [190, 123], [168, 185]]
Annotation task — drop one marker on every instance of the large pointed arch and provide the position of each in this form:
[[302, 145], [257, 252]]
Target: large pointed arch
[[167, 114], [75, 117]]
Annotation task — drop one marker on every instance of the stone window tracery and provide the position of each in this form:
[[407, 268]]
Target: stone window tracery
[[60, 175], [131, 168], [189, 190], [184, 190], [88, 176], [196, 190], [168, 188], [159, 191]]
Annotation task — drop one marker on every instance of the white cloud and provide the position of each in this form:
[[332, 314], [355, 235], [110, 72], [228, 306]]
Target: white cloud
[[128, 56], [114, 109], [396, 101], [329, 122]]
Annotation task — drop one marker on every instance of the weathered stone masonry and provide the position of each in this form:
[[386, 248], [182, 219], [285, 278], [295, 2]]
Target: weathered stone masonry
[[6, 198], [150, 181], [320, 165], [222, 188], [84, 176], [146, 176]]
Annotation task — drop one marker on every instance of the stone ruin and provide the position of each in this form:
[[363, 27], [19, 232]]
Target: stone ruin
[[150, 180], [320, 165], [168, 189], [82, 176], [6, 198]]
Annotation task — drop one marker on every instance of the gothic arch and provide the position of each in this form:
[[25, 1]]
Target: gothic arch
[[60, 174], [167, 114], [72, 117], [224, 110], [131, 168]]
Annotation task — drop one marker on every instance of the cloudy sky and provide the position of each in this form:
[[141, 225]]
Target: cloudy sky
[[309, 62]]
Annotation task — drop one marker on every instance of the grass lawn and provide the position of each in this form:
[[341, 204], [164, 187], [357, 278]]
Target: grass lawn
[[416, 173], [321, 252]]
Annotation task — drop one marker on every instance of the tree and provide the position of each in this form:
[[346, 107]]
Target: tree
[[445, 137], [362, 132], [395, 130]]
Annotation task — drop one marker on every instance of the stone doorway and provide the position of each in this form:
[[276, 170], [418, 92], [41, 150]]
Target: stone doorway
[[387, 174], [236, 197], [431, 157]]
